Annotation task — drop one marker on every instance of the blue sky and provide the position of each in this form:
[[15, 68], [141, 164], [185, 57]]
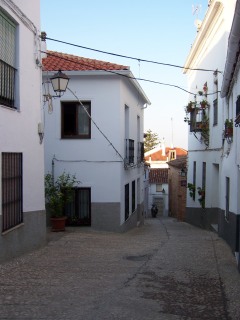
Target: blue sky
[[155, 30]]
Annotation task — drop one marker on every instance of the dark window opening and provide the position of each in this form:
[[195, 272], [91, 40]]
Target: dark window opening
[[76, 124], [126, 201], [133, 196], [12, 195], [78, 212]]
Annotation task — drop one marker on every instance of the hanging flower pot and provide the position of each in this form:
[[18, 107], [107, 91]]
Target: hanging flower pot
[[204, 104]]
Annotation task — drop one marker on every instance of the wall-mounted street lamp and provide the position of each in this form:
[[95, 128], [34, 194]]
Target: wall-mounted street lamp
[[183, 172], [59, 83]]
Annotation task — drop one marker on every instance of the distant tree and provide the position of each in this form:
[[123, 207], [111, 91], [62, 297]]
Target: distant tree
[[151, 140]]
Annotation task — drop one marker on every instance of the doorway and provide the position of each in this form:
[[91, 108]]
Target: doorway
[[78, 212]]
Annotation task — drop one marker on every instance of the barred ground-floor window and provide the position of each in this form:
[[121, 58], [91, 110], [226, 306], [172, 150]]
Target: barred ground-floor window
[[12, 195]]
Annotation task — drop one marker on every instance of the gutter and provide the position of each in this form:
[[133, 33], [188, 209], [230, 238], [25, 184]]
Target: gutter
[[127, 74]]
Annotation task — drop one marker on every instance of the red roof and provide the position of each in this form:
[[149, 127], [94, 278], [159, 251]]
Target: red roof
[[67, 62], [158, 176], [157, 156]]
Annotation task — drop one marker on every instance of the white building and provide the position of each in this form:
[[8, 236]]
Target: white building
[[229, 226], [208, 147], [22, 204], [105, 148], [158, 159]]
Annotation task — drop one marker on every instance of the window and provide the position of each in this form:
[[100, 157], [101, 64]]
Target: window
[[194, 178], [215, 112], [126, 201], [238, 110], [133, 196], [78, 212], [12, 197], [129, 151], [7, 61], [159, 187], [227, 198], [172, 155], [76, 124], [140, 152], [204, 175]]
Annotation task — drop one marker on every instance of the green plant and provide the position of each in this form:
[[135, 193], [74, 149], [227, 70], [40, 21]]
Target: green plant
[[190, 107], [58, 193], [204, 104], [205, 129], [229, 123], [201, 192], [192, 190]]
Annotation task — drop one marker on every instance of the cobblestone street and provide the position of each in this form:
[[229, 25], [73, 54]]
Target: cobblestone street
[[162, 270]]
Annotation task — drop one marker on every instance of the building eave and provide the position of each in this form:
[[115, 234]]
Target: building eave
[[127, 74], [232, 61], [207, 25]]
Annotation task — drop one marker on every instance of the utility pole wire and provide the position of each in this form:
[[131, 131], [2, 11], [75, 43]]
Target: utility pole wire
[[85, 109]]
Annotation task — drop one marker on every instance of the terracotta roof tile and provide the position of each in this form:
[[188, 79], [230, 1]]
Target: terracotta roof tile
[[67, 62], [157, 156], [158, 175]]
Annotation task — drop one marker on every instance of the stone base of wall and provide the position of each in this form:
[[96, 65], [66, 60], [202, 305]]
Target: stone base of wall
[[229, 229], [106, 217], [24, 238], [203, 218]]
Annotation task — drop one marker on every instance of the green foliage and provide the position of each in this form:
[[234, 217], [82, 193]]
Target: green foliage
[[151, 140], [201, 200], [229, 123], [192, 189], [58, 193]]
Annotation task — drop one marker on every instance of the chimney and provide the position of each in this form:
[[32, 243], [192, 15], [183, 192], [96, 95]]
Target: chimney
[[43, 45]]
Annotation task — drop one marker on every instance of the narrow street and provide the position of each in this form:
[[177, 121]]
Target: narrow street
[[163, 270]]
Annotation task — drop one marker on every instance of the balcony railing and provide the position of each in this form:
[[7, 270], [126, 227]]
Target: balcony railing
[[129, 152]]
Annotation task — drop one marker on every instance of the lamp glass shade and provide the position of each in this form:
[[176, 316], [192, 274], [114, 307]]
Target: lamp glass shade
[[59, 82]]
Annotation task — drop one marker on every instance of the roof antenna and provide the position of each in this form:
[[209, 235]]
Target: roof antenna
[[195, 11]]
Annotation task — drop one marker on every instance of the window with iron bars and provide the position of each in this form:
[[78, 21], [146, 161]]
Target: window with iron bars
[[7, 61], [12, 195], [140, 152], [129, 155]]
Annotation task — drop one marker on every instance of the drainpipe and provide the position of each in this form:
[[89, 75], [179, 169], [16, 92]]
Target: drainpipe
[[53, 168]]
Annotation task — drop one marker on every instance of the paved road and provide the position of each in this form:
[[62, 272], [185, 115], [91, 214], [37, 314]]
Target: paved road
[[162, 270]]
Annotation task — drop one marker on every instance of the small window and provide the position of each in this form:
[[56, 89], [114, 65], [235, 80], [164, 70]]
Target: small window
[[227, 198], [159, 187], [215, 112], [126, 201], [76, 124], [133, 196], [172, 155]]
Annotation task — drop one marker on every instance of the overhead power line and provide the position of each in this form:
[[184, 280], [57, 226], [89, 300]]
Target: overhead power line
[[128, 57], [120, 74]]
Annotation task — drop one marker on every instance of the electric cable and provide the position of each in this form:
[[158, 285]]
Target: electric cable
[[128, 57], [123, 75]]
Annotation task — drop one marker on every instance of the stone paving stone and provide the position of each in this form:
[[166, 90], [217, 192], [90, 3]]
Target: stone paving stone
[[163, 270]]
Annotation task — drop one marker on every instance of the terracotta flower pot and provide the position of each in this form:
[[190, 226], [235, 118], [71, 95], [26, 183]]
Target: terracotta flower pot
[[58, 224]]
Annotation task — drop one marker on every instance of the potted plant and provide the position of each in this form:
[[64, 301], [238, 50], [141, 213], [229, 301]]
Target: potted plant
[[58, 193], [204, 104], [228, 127], [190, 107]]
